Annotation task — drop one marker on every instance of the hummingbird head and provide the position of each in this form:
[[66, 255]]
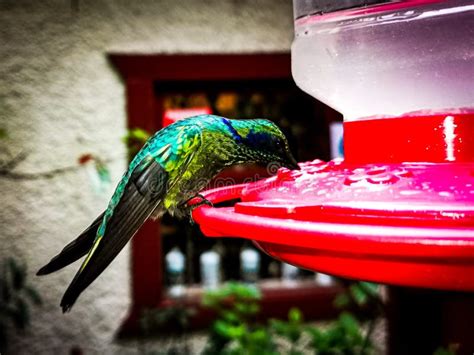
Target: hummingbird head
[[263, 142]]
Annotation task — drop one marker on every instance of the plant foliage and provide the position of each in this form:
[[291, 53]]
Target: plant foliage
[[237, 332], [16, 298]]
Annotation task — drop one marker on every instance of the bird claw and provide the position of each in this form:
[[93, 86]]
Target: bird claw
[[204, 201], [191, 208]]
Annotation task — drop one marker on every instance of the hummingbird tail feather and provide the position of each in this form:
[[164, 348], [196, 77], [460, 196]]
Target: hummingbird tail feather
[[74, 250], [140, 198]]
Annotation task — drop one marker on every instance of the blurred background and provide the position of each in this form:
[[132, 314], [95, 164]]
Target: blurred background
[[64, 129]]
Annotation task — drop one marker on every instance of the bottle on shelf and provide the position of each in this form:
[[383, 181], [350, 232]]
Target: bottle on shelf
[[175, 272], [289, 273], [210, 262], [324, 279], [249, 265]]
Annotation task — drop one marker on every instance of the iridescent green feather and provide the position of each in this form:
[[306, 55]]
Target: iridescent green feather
[[171, 148]]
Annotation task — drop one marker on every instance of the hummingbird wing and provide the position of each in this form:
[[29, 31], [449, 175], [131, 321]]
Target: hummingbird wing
[[74, 250], [140, 197], [143, 193]]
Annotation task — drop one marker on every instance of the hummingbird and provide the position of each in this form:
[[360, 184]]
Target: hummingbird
[[173, 166]]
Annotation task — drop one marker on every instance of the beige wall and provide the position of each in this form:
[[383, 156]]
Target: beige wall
[[59, 99]]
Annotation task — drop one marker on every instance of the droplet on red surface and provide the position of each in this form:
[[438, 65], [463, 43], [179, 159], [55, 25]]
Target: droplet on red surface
[[383, 179], [403, 173], [353, 179], [376, 170]]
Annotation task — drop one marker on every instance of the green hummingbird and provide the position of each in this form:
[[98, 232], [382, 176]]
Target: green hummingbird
[[171, 169]]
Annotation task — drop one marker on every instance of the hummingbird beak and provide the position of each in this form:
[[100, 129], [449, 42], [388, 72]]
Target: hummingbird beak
[[291, 163]]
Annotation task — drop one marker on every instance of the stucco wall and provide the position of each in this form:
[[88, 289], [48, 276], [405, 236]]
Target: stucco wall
[[59, 99]]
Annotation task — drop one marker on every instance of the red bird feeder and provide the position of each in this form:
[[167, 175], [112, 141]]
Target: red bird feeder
[[399, 210]]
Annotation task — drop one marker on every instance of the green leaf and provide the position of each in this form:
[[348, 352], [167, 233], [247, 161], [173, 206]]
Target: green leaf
[[359, 295], [102, 171], [15, 295], [289, 330], [295, 315], [342, 300], [278, 326], [318, 338], [230, 316], [228, 330], [259, 335], [253, 308], [245, 309], [342, 337], [348, 322], [140, 134], [137, 134], [370, 288]]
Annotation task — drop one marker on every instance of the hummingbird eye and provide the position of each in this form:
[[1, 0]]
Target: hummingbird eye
[[281, 143]]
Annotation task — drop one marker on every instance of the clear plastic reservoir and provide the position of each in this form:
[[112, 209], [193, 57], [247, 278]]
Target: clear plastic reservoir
[[389, 59]]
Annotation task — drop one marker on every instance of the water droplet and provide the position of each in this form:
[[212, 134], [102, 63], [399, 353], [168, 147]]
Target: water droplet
[[376, 170], [383, 179], [322, 192], [353, 179], [403, 173], [409, 192]]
